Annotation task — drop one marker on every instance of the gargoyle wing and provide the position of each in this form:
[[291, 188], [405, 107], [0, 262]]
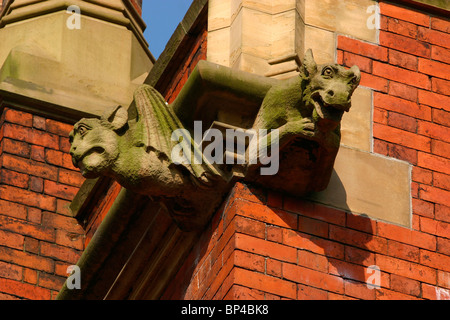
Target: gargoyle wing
[[157, 122]]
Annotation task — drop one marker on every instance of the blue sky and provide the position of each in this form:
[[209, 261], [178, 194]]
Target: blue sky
[[162, 17]]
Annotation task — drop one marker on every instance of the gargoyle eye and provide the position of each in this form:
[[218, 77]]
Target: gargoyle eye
[[327, 72], [82, 130]]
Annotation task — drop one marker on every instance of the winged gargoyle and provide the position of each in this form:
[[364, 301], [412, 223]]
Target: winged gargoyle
[[135, 146]]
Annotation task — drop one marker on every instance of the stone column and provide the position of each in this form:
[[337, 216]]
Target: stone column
[[82, 58]]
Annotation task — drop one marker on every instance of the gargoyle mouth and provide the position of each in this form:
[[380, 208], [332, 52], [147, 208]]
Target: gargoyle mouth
[[77, 160], [328, 111]]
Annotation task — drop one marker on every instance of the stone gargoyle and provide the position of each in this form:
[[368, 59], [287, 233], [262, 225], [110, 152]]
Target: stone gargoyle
[[135, 146]]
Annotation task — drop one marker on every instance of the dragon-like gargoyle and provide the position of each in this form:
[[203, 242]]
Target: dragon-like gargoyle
[[135, 146]]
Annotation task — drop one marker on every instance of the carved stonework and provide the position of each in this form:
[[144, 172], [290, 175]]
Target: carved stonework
[[153, 148]]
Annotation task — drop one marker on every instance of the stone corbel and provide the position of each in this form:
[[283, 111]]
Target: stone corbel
[[225, 126]]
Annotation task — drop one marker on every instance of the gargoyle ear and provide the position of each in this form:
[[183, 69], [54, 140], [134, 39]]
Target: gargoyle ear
[[117, 117], [309, 66]]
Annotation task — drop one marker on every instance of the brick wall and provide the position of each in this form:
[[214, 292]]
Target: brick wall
[[38, 237], [263, 245]]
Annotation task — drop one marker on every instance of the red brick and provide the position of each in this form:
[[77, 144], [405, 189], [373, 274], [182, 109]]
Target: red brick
[[407, 236], [265, 248], [14, 178], [403, 122], [31, 245], [36, 184], [433, 36], [444, 279], [440, 54], [358, 290], [441, 117], [273, 268], [59, 128], [30, 167], [434, 293], [442, 212], [401, 137], [30, 135], [360, 222], [70, 178], [59, 190], [440, 86], [51, 281], [362, 48], [374, 82], [28, 198], [315, 211], [61, 222], [364, 64], [34, 215], [441, 181], [435, 260], [403, 153], [64, 144], [403, 60], [69, 239], [13, 210], [313, 278], [386, 294], [274, 234], [434, 68], [405, 14], [405, 44], [401, 75], [435, 195], [313, 226], [59, 252], [440, 24], [38, 122], [26, 259], [380, 115], [242, 293], [18, 117], [24, 290], [10, 271], [262, 213], [405, 285], [27, 229], [54, 157], [423, 208], [406, 269], [402, 106], [16, 147], [265, 283], [359, 256], [381, 147], [435, 163], [348, 270], [314, 244], [434, 100], [443, 246], [11, 239], [38, 153], [312, 261], [310, 293], [403, 91], [250, 227], [402, 27], [358, 239]]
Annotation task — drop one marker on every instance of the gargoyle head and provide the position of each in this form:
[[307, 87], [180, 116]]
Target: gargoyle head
[[95, 142], [328, 91]]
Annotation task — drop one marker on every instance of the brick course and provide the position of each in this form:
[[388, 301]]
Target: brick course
[[38, 237]]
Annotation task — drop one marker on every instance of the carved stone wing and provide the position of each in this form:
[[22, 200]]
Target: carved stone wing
[[156, 122]]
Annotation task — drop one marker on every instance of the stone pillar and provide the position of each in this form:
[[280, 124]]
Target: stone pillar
[[81, 58]]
